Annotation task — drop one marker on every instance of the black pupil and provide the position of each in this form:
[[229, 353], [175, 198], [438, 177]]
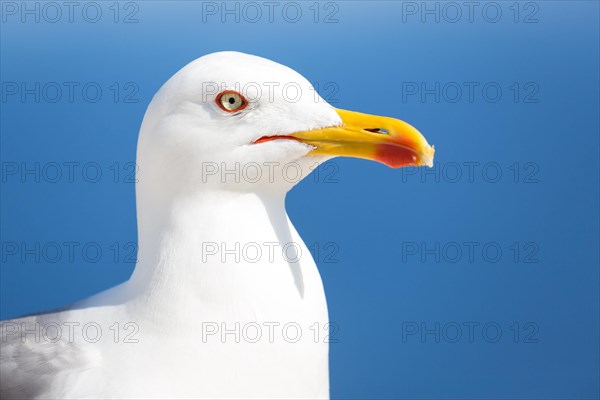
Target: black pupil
[[231, 100]]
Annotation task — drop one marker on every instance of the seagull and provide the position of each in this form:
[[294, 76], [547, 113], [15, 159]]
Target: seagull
[[225, 300]]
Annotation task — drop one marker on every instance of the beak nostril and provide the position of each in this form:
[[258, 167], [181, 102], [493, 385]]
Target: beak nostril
[[377, 130]]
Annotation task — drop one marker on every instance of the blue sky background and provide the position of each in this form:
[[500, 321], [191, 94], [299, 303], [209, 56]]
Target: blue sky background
[[391, 270]]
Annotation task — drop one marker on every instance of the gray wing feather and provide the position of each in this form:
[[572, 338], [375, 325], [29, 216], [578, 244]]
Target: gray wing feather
[[33, 366]]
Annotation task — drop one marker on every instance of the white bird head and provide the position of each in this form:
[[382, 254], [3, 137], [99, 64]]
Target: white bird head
[[244, 123]]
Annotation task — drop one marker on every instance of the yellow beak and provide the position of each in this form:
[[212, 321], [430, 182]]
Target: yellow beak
[[386, 140]]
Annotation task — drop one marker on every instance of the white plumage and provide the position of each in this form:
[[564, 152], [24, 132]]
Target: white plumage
[[173, 295]]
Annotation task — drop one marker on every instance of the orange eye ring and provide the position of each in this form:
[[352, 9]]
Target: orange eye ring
[[231, 101]]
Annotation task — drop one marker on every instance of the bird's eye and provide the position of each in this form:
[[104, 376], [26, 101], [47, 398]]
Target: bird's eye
[[231, 101]]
